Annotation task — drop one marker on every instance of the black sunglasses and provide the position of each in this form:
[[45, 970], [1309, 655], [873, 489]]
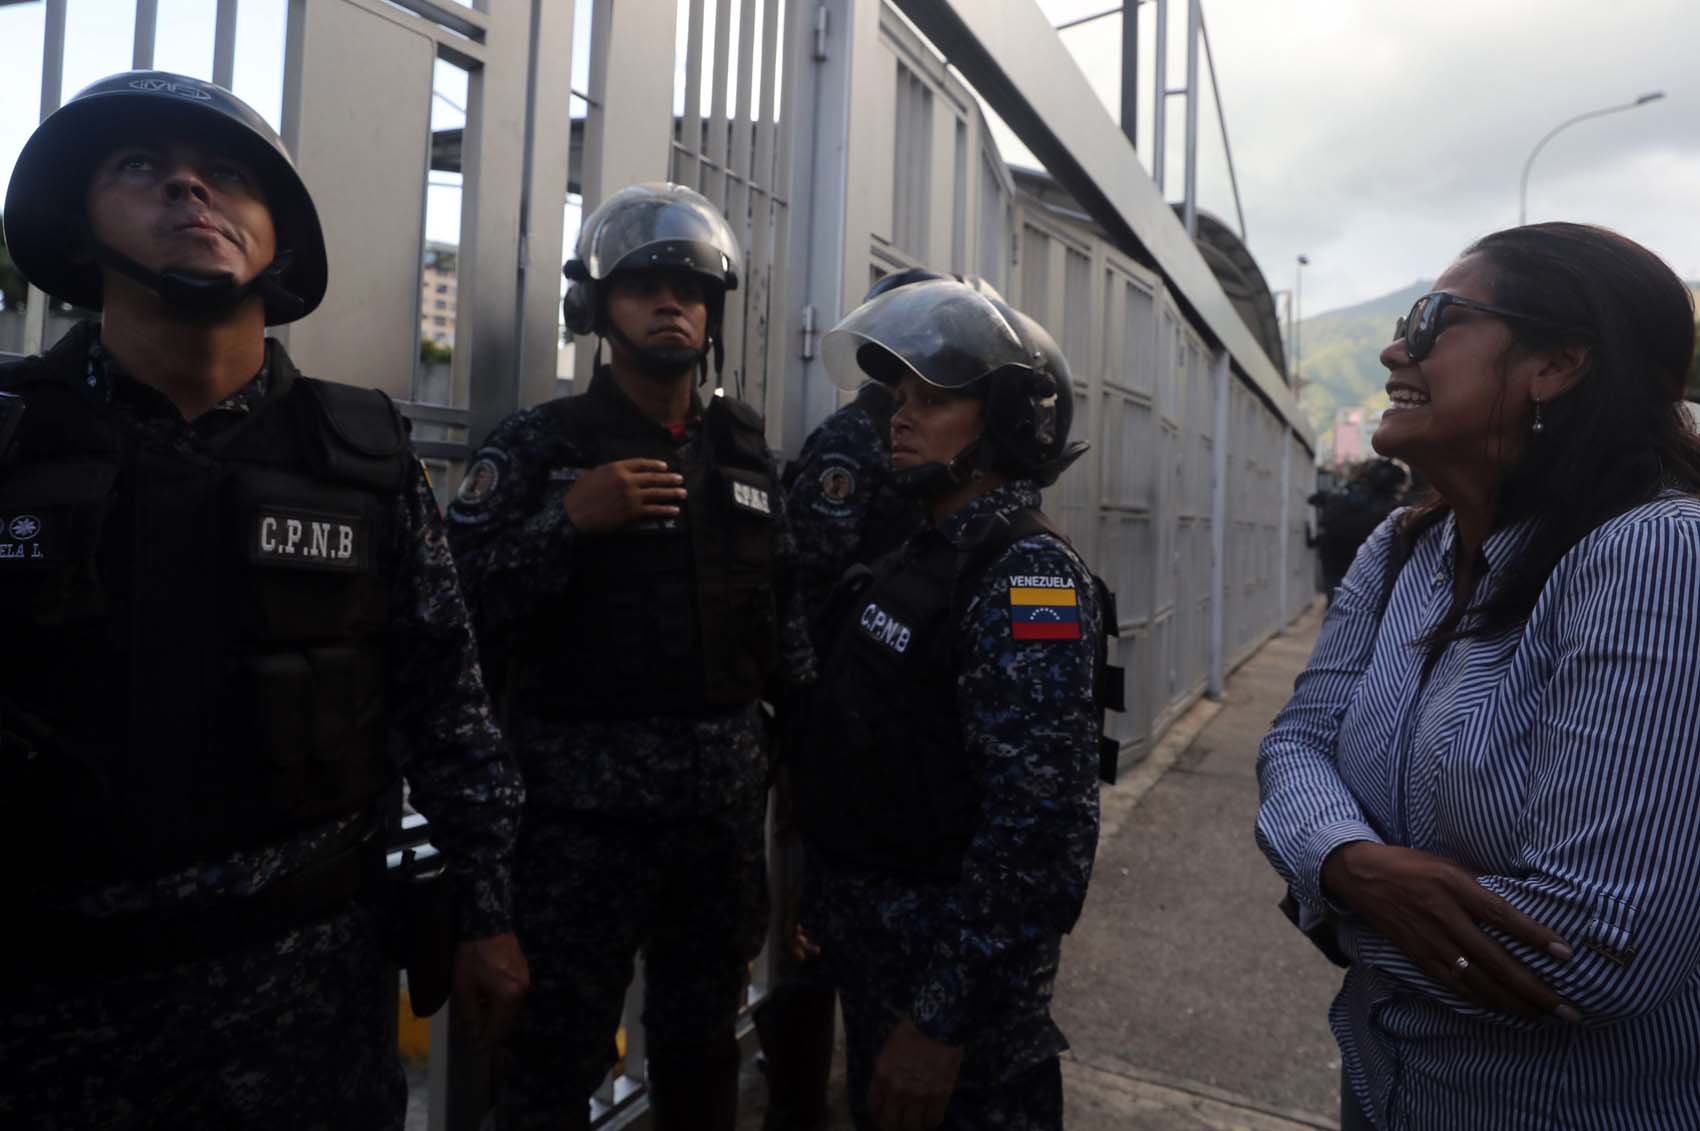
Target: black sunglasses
[[1422, 325]]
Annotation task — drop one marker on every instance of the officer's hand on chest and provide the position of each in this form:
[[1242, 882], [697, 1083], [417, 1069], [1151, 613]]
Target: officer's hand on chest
[[627, 491]]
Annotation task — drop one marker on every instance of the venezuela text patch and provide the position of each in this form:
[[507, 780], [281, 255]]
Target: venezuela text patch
[[1043, 608]]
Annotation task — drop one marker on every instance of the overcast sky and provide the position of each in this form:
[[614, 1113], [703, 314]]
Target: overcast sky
[[1379, 137]]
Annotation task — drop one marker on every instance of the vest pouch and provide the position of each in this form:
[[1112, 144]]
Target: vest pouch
[[280, 695], [886, 785], [739, 608], [310, 647], [312, 553], [890, 747], [749, 504], [348, 729], [56, 806], [318, 725]]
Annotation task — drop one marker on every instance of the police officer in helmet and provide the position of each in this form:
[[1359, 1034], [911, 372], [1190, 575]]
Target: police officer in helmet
[[226, 596], [622, 551], [948, 786], [845, 510]]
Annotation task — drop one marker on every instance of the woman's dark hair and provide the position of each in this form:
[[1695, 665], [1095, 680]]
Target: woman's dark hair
[[1617, 438]]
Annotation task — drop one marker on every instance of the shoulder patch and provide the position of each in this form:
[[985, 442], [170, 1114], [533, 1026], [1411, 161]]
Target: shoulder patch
[[837, 483], [481, 481], [1043, 607]]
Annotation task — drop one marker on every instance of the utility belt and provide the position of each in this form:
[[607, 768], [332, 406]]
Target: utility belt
[[73, 944], [415, 913]]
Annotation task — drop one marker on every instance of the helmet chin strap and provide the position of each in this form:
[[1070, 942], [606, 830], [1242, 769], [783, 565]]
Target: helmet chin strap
[[928, 479], [666, 363], [208, 296]]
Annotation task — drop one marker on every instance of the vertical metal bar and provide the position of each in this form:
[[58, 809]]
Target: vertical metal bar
[[1160, 109], [714, 178], [798, 27], [1190, 207], [469, 267], [1219, 528], [637, 1039], [758, 313], [1130, 72], [1221, 120], [147, 25], [688, 162], [736, 202], [224, 44]]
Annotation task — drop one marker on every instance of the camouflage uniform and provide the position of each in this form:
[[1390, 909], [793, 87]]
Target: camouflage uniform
[[972, 963], [843, 506], [844, 510], [639, 833], [292, 1031]]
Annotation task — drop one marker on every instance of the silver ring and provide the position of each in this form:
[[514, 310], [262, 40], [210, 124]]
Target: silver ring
[[1461, 964]]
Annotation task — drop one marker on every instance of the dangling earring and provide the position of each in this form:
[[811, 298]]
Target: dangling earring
[[1538, 426]]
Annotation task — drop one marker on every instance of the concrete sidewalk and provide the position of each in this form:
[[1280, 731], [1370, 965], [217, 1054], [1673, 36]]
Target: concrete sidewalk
[[1190, 1002]]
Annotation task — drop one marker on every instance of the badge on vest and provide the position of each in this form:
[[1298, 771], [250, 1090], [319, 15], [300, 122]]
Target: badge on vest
[[751, 498], [308, 539], [1043, 608], [22, 539], [883, 628]]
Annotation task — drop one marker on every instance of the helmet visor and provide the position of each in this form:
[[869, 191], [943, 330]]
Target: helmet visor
[[943, 332], [659, 226]]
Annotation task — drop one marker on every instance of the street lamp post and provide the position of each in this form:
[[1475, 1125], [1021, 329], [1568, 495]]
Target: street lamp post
[[1523, 187], [1293, 312]]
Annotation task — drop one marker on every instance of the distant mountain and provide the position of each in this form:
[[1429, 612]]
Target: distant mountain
[[1338, 352]]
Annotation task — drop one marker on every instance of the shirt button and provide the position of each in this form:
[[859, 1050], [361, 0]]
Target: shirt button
[[1439, 576]]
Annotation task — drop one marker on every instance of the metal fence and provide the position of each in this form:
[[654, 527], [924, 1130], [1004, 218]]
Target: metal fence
[[842, 145]]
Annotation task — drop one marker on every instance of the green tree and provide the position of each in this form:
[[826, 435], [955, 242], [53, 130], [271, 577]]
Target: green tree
[[430, 351]]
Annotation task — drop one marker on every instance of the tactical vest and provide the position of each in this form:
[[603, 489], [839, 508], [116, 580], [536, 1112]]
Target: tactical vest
[[191, 659], [885, 783], [666, 616]]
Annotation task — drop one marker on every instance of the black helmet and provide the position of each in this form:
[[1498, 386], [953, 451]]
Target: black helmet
[[657, 224], [900, 279], [45, 223], [921, 275], [953, 336], [1028, 417]]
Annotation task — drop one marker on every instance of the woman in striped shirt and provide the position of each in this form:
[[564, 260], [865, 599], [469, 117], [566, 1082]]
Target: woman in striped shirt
[[1484, 794]]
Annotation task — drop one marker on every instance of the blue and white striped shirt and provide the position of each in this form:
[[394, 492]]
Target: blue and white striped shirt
[[1561, 762]]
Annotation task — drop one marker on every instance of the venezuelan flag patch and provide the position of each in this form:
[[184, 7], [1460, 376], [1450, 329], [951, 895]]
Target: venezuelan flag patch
[[1043, 609]]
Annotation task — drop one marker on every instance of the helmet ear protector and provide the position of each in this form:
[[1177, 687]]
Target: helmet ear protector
[[1021, 414], [579, 306]]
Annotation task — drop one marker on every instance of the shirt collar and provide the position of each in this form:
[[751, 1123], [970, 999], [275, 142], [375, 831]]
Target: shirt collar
[[106, 379], [1006, 498], [603, 384], [1498, 550]]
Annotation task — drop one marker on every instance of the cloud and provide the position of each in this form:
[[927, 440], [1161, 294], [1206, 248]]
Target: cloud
[[1380, 137]]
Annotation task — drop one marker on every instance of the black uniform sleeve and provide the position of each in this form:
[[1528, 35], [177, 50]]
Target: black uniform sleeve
[[1031, 726], [459, 772], [798, 666], [510, 534], [833, 485]]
